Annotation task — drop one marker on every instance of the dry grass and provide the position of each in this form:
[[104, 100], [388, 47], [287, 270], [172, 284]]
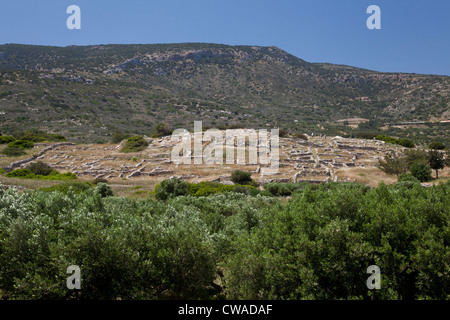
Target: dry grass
[[369, 175], [27, 183]]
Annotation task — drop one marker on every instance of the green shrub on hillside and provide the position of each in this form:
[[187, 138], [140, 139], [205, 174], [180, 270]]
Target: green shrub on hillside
[[386, 139], [75, 186], [206, 188], [282, 189], [161, 130], [119, 137], [404, 142], [40, 168], [365, 134], [53, 175], [241, 177], [135, 144], [436, 145], [35, 135], [6, 139], [407, 143], [408, 177], [22, 144], [421, 171], [416, 155], [170, 188], [174, 187], [104, 190], [13, 152]]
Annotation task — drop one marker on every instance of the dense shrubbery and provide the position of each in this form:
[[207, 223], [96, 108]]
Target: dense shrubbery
[[135, 144], [421, 171], [407, 143], [207, 188], [318, 245], [161, 130], [40, 168], [300, 135], [170, 188], [436, 145], [118, 137], [25, 140], [75, 186], [125, 248], [22, 144], [104, 189], [17, 148], [365, 134], [53, 175], [6, 139], [35, 135], [386, 139], [418, 162], [282, 189], [175, 187], [13, 152], [242, 177], [407, 177]]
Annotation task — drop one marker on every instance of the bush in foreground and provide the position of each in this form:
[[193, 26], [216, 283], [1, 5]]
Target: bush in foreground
[[170, 188], [320, 244], [317, 245], [104, 189]]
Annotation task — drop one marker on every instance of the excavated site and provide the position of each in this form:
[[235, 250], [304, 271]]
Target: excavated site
[[318, 159]]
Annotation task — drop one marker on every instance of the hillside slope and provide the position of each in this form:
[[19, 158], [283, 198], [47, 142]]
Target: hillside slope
[[89, 92]]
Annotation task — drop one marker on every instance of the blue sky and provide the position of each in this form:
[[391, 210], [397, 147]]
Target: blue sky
[[414, 35]]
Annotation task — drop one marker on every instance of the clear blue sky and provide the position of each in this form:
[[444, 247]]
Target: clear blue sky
[[414, 35]]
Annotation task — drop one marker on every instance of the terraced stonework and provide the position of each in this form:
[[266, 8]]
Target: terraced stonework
[[314, 160]]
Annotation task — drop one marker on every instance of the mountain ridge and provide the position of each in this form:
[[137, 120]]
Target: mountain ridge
[[91, 89]]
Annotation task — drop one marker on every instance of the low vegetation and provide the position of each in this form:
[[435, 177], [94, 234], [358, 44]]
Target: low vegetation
[[436, 145], [175, 187], [135, 144], [230, 245], [35, 135], [418, 162], [242, 177], [404, 142], [53, 175]]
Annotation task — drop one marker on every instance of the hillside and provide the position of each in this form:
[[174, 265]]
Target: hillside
[[89, 92]]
